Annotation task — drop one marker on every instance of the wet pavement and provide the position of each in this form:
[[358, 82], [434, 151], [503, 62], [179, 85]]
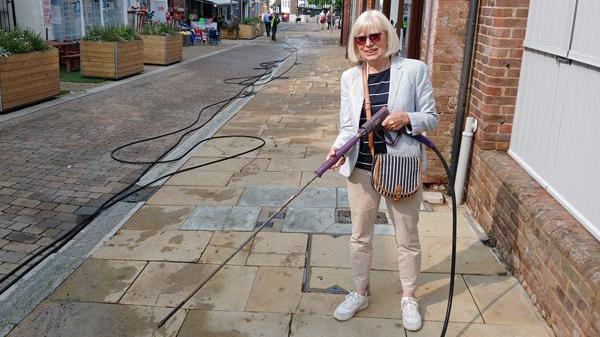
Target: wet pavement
[[280, 284]]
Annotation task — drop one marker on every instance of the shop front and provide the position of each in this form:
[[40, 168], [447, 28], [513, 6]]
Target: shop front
[[68, 19]]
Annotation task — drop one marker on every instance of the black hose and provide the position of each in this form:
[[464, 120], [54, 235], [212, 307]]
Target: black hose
[[453, 256], [248, 84]]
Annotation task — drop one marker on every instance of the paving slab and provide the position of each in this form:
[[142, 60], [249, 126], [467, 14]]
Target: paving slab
[[318, 303], [328, 251], [440, 225], [276, 196], [432, 329], [223, 244], [276, 289], [432, 294], [278, 249], [472, 257], [295, 165], [234, 164], [99, 281], [308, 220], [192, 196], [184, 246], [97, 320], [167, 284], [502, 300], [286, 151], [157, 217], [241, 218], [329, 179], [313, 325], [200, 178], [204, 323], [207, 218], [266, 179]]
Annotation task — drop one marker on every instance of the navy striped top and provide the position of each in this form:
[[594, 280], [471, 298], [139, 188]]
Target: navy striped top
[[379, 88]]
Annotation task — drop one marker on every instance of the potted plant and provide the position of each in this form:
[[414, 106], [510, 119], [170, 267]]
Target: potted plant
[[111, 52], [162, 44], [28, 69], [248, 27]]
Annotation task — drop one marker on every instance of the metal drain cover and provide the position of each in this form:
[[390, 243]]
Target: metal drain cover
[[342, 215]]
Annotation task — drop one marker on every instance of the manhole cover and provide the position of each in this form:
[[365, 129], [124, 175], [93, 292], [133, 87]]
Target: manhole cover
[[343, 216]]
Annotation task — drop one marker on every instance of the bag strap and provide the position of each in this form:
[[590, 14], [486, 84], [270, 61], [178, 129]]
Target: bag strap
[[365, 78]]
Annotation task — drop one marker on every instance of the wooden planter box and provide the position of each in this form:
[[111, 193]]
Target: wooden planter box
[[28, 78], [247, 32], [112, 60], [162, 50], [226, 35]]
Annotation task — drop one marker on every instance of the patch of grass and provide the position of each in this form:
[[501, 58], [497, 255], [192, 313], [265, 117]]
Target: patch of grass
[[75, 77], [251, 20]]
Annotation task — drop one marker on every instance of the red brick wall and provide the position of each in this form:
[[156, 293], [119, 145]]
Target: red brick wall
[[552, 255], [444, 58], [496, 69]]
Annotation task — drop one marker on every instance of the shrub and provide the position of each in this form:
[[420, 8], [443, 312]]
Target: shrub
[[159, 28], [19, 41], [111, 34], [251, 20]]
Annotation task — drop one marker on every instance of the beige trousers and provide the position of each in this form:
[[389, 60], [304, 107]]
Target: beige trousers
[[364, 204]]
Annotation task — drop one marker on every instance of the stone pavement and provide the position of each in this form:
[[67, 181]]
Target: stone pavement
[[55, 167], [197, 218]]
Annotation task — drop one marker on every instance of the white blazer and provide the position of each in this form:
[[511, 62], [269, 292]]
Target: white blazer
[[410, 92]]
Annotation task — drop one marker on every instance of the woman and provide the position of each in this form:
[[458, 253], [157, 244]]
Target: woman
[[403, 86]]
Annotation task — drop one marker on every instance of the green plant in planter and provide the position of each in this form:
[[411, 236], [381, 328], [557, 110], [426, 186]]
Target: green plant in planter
[[111, 34], [21, 41], [251, 20], [159, 28]]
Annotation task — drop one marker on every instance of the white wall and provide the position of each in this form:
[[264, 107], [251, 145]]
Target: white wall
[[555, 137], [29, 15]]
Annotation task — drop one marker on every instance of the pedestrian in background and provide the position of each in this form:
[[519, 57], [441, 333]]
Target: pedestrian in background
[[322, 19], [267, 22], [328, 15], [403, 86], [274, 22]]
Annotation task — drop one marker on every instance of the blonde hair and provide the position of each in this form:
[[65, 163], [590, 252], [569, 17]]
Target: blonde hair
[[372, 21]]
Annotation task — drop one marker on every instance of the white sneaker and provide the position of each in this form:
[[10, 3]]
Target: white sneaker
[[411, 318], [353, 303]]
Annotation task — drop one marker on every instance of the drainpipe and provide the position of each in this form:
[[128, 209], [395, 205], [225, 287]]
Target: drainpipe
[[463, 159], [464, 83]]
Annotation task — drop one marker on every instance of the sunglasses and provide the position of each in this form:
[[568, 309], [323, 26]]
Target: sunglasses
[[362, 40]]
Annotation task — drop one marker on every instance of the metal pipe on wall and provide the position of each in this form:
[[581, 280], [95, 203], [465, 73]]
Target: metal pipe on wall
[[465, 80]]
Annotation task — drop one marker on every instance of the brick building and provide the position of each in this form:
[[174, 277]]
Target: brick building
[[533, 87]]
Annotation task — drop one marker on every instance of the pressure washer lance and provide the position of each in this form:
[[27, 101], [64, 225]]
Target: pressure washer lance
[[368, 127]]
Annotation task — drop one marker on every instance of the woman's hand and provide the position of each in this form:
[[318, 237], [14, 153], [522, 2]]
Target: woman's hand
[[330, 154], [396, 121]]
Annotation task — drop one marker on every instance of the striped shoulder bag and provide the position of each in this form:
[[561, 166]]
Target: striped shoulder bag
[[391, 176]]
